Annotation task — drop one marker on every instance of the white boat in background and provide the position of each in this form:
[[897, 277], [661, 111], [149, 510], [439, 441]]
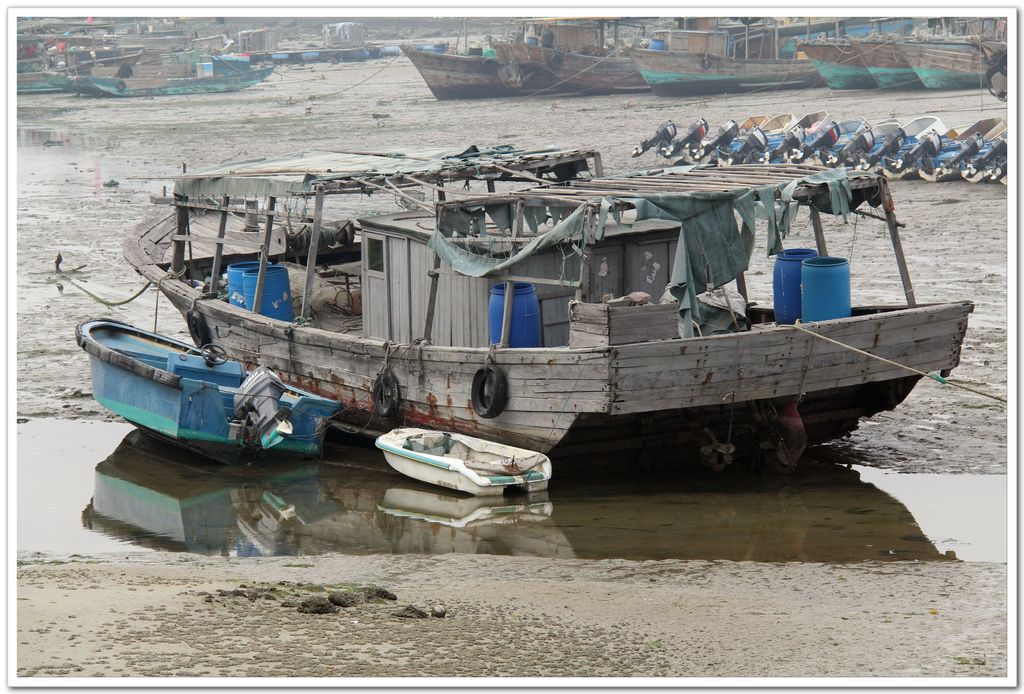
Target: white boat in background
[[464, 463]]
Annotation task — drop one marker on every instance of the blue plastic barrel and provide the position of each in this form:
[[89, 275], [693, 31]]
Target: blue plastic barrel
[[277, 292], [826, 288], [532, 41], [786, 283], [236, 293], [657, 45], [524, 330]]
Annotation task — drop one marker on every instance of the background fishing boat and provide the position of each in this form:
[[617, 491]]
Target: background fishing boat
[[451, 76], [839, 64], [946, 63], [567, 56], [886, 63], [168, 86], [687, 63]]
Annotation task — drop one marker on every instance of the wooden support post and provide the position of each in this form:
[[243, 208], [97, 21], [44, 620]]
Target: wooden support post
[[218, 253], [428, 322], [252, 220], [598, 166], [741, 286], [819, 234], [584, 278], [510, 286], [257, 301], [897, 245], [178, 257], [314, 243]]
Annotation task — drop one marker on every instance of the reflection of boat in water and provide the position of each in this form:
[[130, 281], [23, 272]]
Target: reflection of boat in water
[[151, 495]]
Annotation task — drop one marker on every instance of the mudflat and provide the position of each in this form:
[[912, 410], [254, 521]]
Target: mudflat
[[162, 616]]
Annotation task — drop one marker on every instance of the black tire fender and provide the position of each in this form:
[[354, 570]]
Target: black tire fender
[[490, 391], [387, 395], [556, 60], [197, 328], [705, 61], [120, 85]]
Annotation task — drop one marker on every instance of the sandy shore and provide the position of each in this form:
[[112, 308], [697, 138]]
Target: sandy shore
[[146, 616]]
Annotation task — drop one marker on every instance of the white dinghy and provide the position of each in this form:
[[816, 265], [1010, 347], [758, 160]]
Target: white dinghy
[[465, 463]]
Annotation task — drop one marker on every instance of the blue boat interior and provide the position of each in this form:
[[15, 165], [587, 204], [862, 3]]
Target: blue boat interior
[[185, 361]]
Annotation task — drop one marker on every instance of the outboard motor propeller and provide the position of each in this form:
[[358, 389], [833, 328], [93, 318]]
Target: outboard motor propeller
[[726, 134], [975, 170], [891, 145], [825, 136], [694, 135], [665, 134], [928, 145], [950, 166], [861, 142], [754, 142], [793, 139]]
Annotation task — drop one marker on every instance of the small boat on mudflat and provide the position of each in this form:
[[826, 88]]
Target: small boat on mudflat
[[198, 398], [465, 463], [168, 86]]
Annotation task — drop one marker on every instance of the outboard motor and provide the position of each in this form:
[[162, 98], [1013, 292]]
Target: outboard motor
[[726, 134], [947, 165], [860, 143], [260, 421], [928, 144], [793, 140], [753, 143], [693, 135], [666, 133], [824, 137], [891, 145], [975, 170]]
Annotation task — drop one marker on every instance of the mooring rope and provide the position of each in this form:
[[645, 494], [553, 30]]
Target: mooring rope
[[932, 375], [97, 297]]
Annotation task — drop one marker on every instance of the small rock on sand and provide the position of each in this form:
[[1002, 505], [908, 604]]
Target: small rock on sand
[[438, 611], [317, 605], [411, 612], [378, 593], [345, 599]]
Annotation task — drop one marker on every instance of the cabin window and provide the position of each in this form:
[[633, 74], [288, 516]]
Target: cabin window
[[375, 254]]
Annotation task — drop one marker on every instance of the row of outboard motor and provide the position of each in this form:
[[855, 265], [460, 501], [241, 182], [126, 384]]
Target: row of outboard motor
[[922, 147]]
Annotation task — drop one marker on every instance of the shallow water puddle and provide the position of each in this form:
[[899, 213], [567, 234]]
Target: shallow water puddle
[[94, 487]]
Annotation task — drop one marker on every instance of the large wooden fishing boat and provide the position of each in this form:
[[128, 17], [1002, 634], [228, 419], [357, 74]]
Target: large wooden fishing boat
[[567, 56], [451, 76], [839, 64], [886, 63], [699, 62], [945, 64], [438, 339]]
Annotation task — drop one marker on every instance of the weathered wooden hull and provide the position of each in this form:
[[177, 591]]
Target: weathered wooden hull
[[42, 83], [662, 396], [945, 65], [839, 66], [886, 64], [459, 76], [143, 86], [683, 74], [544, 68]]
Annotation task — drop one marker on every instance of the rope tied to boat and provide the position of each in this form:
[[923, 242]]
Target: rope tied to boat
[[93, 295], [932, 374]]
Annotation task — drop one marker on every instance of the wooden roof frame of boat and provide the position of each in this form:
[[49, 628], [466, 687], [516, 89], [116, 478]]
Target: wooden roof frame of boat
[[698, 179], [526, 167]]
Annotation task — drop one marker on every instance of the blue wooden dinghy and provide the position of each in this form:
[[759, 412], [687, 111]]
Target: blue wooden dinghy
[[200, 399]]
